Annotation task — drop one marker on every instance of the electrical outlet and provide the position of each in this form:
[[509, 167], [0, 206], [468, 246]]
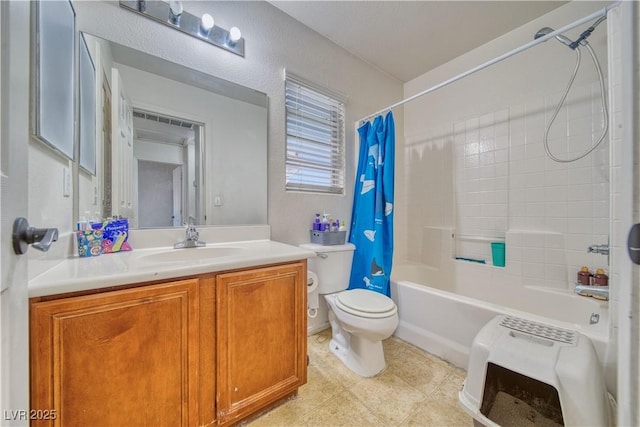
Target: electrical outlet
[[66, 182]]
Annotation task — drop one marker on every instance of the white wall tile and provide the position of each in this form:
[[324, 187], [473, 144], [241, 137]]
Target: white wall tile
[[505, 181]]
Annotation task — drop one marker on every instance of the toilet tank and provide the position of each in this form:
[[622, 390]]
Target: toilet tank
[[332, 265]]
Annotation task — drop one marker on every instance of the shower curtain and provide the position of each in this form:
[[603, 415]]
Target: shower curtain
[[372, 214]]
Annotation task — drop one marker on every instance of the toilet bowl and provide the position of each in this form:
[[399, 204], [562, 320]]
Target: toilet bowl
[[357, 332], [360, 319]]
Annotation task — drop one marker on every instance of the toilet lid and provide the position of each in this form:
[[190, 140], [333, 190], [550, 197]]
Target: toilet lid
[[365, 303]]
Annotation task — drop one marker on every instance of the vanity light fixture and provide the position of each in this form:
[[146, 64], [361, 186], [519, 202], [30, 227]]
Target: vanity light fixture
[[173, 15]]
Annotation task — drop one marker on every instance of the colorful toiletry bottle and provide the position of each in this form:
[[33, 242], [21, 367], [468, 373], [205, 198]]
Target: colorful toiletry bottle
[[584, 276], [316, 223], [325, 222], [600, 278]]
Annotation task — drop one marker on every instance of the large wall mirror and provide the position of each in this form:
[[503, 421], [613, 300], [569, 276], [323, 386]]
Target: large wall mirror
[[173, 145]]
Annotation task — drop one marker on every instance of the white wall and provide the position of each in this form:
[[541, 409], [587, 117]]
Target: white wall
[[155, 202], [157, 152]]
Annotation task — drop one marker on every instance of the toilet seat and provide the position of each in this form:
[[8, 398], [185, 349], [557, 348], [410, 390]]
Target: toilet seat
[[365, 303]]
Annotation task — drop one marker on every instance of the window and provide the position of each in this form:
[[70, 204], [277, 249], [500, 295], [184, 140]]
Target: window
[[315, 138]]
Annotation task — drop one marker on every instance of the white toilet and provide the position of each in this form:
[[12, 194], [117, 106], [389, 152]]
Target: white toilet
[[360, 319]]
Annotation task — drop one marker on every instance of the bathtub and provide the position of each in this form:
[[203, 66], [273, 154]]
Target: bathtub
[[443, 316]]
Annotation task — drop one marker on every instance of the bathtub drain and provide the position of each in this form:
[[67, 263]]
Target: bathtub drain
[[595, 318]]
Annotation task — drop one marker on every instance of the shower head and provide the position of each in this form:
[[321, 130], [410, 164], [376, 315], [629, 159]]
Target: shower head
[[546, 30]]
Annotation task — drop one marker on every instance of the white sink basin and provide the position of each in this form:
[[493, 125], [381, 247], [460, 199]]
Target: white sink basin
[[191, 254]]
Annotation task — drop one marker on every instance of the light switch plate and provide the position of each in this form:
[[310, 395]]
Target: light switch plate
[[66, 182]]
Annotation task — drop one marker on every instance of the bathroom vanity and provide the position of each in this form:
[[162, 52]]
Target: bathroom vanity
[[207, 348]]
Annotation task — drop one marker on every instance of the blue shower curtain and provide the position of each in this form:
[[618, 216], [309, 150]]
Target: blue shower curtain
[[372, 215]]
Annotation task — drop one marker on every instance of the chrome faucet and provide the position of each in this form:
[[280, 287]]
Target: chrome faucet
[[597, 292], [191, 239]]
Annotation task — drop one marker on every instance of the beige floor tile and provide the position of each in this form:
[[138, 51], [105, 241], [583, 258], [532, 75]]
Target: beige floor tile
[[342, 410], [333, 367], [282, 416], [395, 347], [320, 387], [441, 413], [416, 389], [388, 397], [391, 345], [451, 385], [424, 373], [319, 342]]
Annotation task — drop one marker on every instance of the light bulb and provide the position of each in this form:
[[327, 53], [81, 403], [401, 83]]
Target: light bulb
[[175, 12], [234, 34], [206, 24], [176, 7]]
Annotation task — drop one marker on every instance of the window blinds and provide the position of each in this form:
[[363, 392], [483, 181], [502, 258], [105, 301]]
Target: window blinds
[[315, 138]]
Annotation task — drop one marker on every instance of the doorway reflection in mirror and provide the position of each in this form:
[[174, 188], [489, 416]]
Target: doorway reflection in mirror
[[166, 153]]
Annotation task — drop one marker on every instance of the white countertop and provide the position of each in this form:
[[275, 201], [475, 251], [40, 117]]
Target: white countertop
[[80, 274]]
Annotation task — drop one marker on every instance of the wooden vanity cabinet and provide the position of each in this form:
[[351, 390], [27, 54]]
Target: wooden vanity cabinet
[[199, 351], [261, 338], [117, 358]]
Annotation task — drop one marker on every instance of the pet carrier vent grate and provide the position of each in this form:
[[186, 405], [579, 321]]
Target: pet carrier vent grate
[[539, 330]]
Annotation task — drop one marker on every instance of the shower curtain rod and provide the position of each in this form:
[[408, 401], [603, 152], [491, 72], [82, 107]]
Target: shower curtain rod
[[597, 14]]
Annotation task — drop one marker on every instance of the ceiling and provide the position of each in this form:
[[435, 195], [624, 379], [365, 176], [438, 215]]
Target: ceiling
[[405, 39]]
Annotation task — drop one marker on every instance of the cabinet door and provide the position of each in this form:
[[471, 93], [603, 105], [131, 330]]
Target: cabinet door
[[117, 358], [261, 331]]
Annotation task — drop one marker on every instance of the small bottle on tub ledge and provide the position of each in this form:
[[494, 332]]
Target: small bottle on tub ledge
[[600, 278], [584, 276]]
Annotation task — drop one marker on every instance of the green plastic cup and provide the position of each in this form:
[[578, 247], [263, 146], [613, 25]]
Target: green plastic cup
[[497, 253]]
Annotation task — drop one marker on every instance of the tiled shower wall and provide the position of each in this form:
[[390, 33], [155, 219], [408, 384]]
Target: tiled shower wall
[[506, 186], [475, 164]]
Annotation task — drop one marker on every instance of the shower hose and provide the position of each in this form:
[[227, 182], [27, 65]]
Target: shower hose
[[564, 97]]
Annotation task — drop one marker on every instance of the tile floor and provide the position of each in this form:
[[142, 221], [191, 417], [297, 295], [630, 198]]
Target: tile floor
[[416, 389]]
